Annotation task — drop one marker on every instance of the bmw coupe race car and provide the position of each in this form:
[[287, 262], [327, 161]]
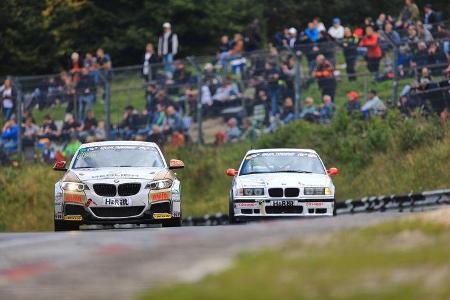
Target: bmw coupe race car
[[117, 183], [281, 183]]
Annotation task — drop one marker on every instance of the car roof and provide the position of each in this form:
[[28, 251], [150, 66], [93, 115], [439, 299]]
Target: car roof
[[119, 143], [280, 150]]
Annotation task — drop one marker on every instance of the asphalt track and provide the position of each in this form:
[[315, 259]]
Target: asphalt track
[[119, 263]]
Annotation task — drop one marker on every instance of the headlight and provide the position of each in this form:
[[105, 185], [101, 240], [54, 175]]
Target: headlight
[[71, 182], [315, 191], [251, 192], [159, 184], [74, 186]]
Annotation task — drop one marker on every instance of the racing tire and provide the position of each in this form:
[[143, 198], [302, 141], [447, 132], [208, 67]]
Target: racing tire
[[231, 218], [61, 225], [334, 208], [174, 222]]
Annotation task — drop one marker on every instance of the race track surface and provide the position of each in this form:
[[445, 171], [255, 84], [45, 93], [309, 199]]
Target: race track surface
[[119, 263]]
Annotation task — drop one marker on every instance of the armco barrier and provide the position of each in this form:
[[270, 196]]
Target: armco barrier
[[402, 202]]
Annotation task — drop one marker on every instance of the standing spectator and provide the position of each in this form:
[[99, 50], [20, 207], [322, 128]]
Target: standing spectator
[[374, 53], [71, 125], [319, 24], [350, 49], [324, 73], [104, 67], [173, 121], [373, 106], [224, 45], [148, 70], [388, 37], [273, 87], [75, 66], [235, 51], [85, 92], [252, 36], [353, 104], [409, 14], [430, 17], [337, 30], [327, 110], [287, 114], [311, 33], [168, 48], [8, 96], [130, 123], [156, 136], [293, 38], [69, 92], [281, 38]]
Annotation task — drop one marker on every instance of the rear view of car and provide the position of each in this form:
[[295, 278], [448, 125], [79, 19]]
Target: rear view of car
[[281, 183], [117, 183]]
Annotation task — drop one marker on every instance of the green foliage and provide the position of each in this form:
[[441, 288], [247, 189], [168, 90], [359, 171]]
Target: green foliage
[[38, 36]]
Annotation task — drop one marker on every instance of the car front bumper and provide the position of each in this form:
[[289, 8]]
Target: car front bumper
[[283, 207]]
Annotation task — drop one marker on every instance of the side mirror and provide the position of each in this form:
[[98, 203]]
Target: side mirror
[[232, 172], [60, 166], [333, 171], [176, 164]]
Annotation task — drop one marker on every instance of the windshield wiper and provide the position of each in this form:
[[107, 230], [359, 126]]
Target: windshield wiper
[[84, 168]]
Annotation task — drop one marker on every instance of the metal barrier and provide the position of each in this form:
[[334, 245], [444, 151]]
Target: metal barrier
[[402, 202]]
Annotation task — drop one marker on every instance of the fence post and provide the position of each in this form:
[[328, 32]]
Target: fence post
[[19, 111], [107, 108], [199, 100], [395, 80]]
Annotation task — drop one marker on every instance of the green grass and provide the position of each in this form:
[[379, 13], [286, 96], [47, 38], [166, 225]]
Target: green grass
[[407, 259], [375, 157]]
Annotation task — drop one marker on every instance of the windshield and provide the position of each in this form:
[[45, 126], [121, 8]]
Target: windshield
[[282, 162], [118, 156]]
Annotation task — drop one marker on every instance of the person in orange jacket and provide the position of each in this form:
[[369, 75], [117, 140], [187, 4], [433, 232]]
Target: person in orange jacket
[[374, 53]]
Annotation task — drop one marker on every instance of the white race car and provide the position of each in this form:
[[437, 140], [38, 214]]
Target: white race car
[[117, 182], [281, 183]]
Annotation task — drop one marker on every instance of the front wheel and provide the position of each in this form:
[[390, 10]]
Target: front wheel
[[61, 225], [174, 222], [334, 208], [231, 218]]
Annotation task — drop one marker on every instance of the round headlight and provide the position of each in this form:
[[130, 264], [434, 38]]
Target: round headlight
[[248, 192], [258, 192]]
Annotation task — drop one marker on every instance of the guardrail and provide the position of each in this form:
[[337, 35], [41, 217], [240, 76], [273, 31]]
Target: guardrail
[[401, 202]]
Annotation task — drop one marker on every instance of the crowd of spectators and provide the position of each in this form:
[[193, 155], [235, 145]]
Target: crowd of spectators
[[241, 82]]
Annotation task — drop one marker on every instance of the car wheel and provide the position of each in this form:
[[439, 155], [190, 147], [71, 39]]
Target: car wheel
[[334, 208], [231, 218], [174, 222], [61, 225]]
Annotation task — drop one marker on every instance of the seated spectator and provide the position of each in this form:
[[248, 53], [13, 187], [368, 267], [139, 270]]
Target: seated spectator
[[224, 45], [48, 129], [227, 93], [409, 14], [150, 97], [156, 136], [232, 133], [177, 140], [436, 58], [430, 17], [262, 106], [71, 147], [327, 110], [423, 33], [353, 104], [287, 115], [249, 130], [309, 111], [70, 126], [49, 153], [30, 133], [373, 106], [324, 73], [100, 133], [173, 121], [130, 123], [9, 136], [236, 49], [180, 75]]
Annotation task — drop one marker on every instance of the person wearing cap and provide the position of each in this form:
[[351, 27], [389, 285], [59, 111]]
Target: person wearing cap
[[373, 106], [293, 38], [168, 48], [353, 104], [337, 30]]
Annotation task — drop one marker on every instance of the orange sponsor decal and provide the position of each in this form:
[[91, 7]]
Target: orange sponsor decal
[[73, 198], [160, 196]]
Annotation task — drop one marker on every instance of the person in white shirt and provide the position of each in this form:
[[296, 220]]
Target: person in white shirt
[[168, 49], [7, 97], [337, 30], [148, 71]]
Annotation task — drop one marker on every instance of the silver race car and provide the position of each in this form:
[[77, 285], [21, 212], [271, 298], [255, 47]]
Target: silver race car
[[117, 182], [281, 183]]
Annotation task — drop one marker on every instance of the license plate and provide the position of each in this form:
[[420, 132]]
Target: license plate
[[283, 203], [116, 202]]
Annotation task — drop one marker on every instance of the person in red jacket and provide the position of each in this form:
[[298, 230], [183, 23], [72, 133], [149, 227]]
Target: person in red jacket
[[374, 53]]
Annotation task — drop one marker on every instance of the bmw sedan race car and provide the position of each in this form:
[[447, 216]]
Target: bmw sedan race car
[[281, 183], [118, 182]]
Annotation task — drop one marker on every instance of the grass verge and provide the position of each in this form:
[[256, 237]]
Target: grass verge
[[405, 259]]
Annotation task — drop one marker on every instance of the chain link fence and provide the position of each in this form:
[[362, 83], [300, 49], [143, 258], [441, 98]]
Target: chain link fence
[[198, 99]]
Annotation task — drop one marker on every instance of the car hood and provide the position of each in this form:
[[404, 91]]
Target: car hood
[[283, 179], [95, 174]]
